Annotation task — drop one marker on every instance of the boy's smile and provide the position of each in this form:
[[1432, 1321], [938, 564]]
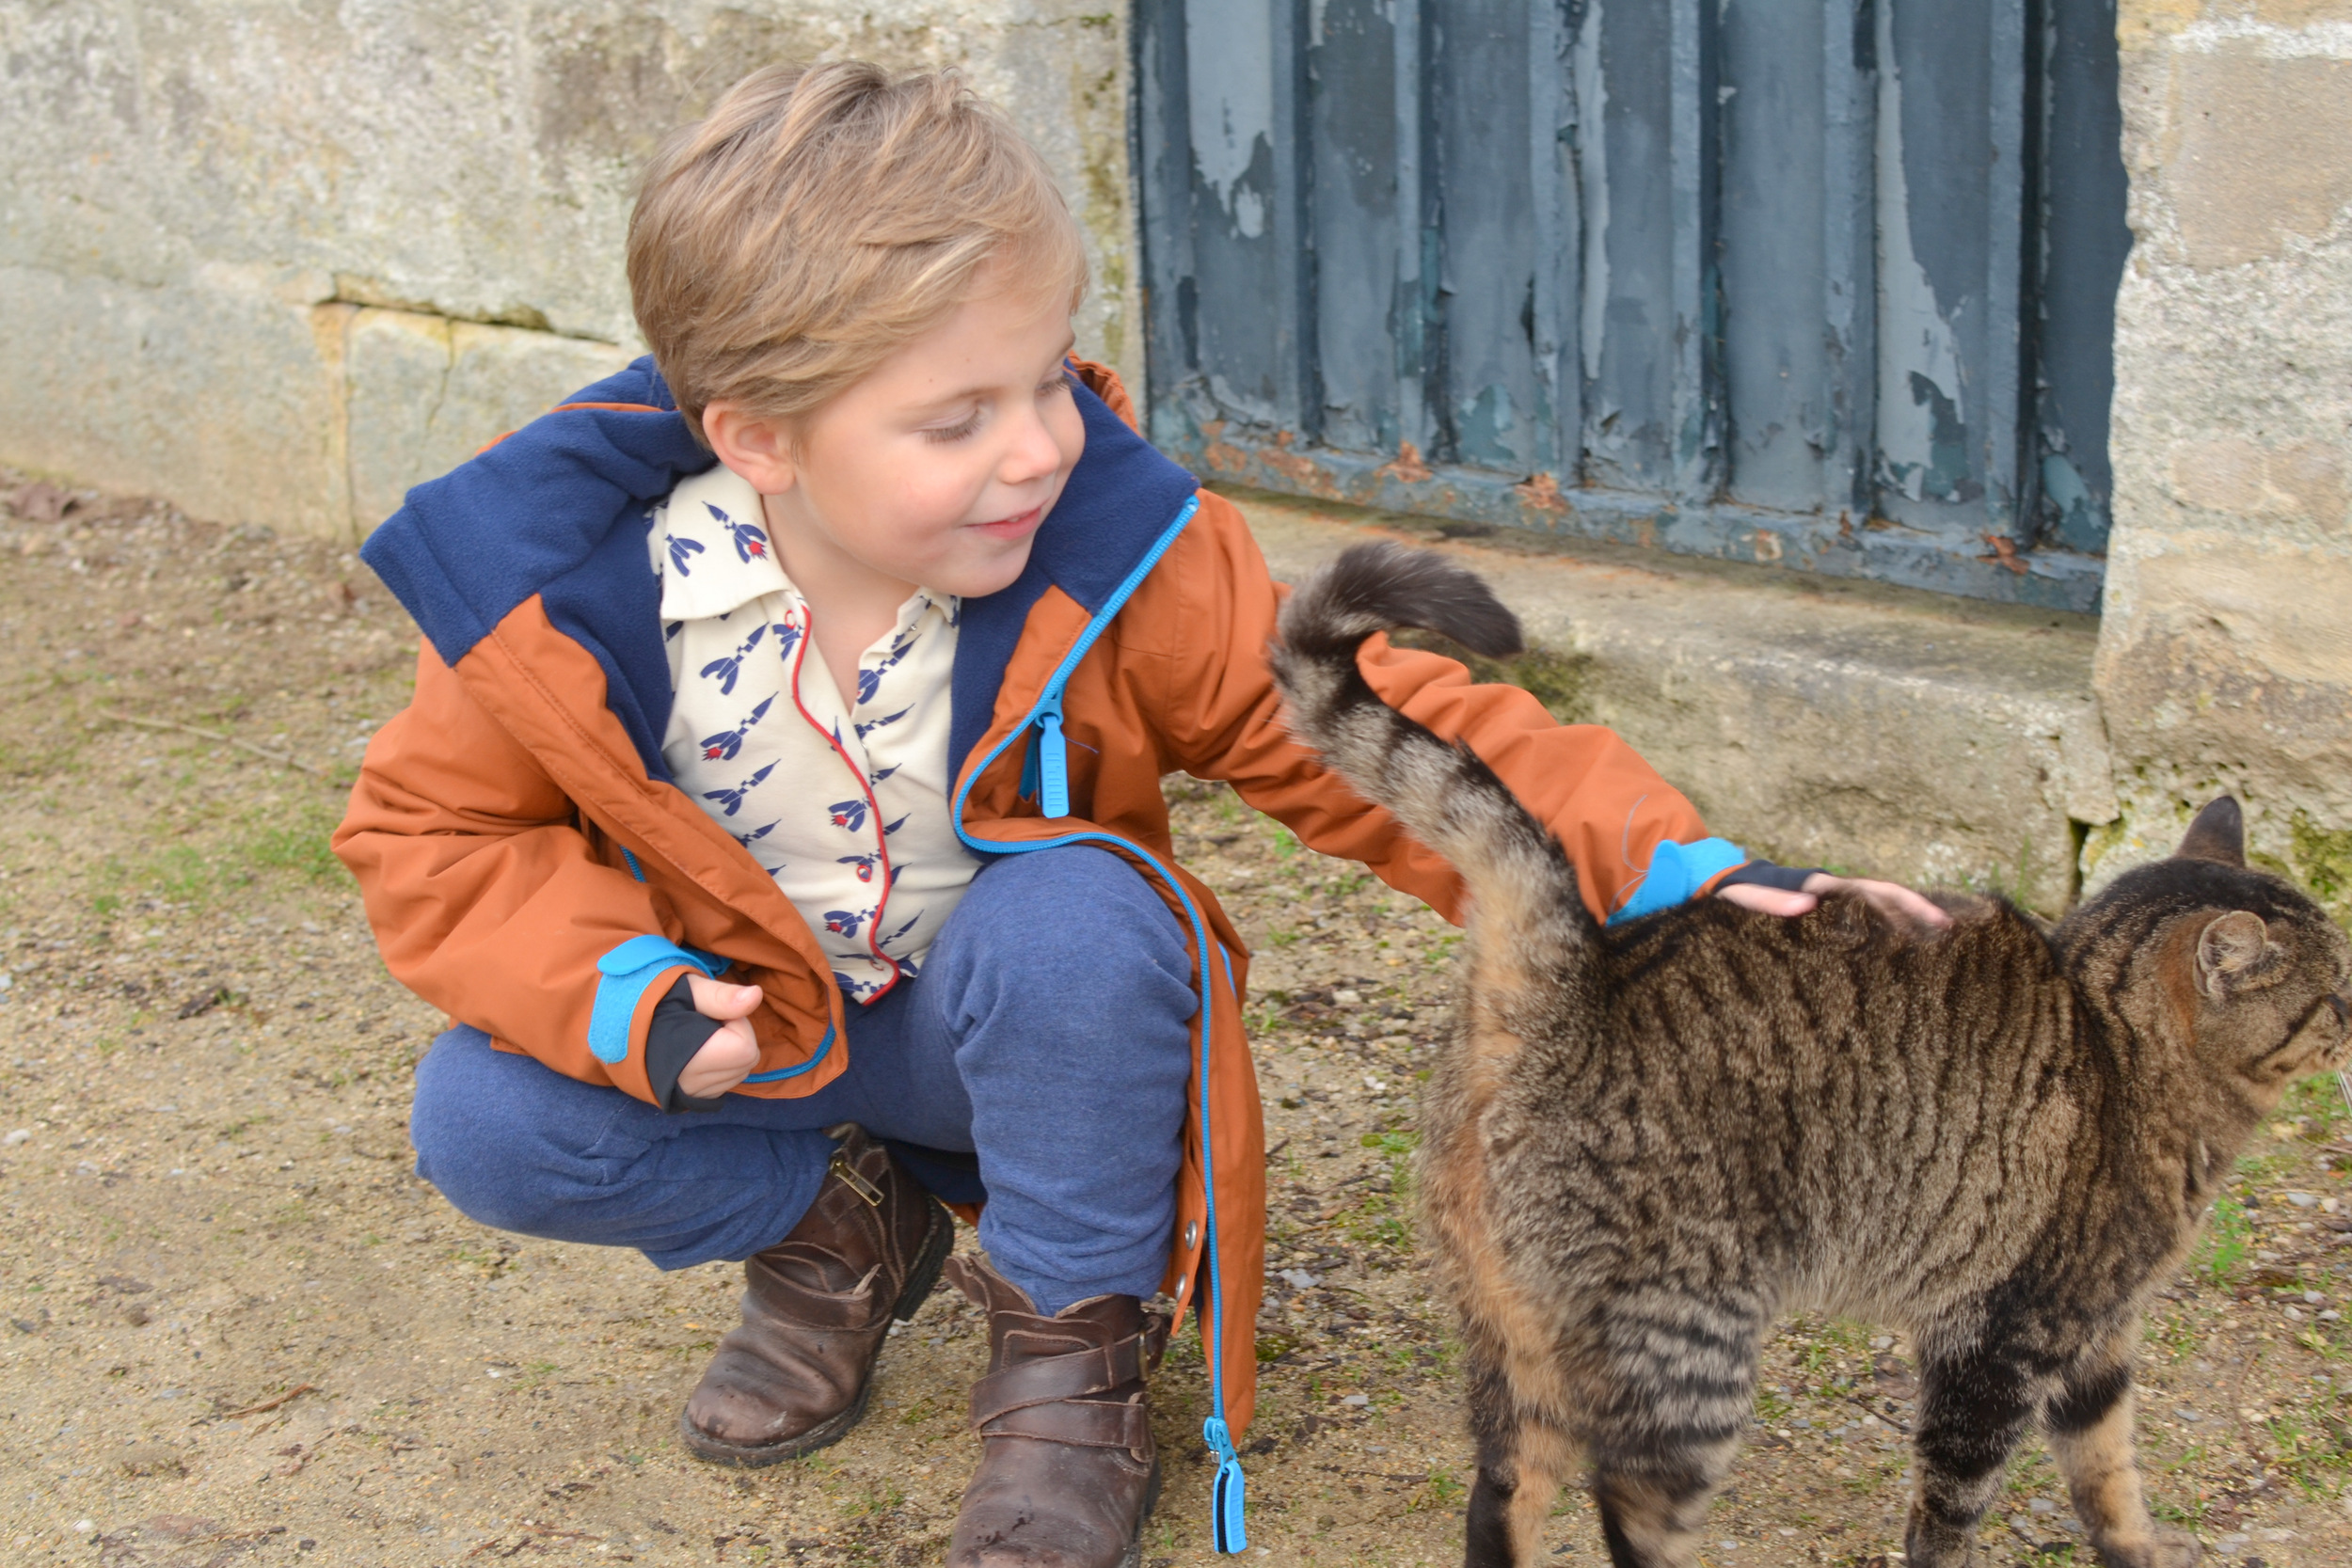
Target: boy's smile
[[935, 470]]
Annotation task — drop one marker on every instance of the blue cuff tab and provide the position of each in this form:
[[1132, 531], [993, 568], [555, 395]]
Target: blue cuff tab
[[625, 972], [1675, 872]]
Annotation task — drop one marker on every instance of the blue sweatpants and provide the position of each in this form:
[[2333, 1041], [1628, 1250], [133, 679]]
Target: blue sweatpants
[[1048, 1036]]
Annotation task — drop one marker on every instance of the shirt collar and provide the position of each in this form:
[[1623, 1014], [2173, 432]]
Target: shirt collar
[[717, 557]]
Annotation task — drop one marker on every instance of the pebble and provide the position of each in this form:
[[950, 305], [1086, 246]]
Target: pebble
[[1358, 1401], [1299, 1280], [2302, 1200]]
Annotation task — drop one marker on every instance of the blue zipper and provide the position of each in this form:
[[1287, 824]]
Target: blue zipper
[[1229, 1495]]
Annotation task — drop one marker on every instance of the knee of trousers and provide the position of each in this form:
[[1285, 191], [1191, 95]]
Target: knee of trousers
[[490, 1162], [1068, 916]]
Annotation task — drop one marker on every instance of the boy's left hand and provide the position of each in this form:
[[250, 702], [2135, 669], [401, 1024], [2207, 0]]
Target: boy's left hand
[[1891, 899]]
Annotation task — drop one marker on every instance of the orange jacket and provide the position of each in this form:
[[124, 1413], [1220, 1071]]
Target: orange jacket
[[514, 827]]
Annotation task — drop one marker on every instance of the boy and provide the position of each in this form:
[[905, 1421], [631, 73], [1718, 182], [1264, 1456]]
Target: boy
[[778, 816]]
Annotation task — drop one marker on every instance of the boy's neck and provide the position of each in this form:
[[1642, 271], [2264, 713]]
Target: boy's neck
[[852, 605]]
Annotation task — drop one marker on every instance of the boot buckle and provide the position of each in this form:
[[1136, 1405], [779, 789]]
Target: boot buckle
[[853, 1181]]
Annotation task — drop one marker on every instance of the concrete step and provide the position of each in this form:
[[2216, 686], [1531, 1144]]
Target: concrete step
[[1814, 721]]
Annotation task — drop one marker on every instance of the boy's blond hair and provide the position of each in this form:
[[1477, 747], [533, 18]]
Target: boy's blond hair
[[820, 218]]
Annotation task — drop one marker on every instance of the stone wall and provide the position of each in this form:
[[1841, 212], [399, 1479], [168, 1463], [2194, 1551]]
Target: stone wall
[[2225, 655], [280, 260]]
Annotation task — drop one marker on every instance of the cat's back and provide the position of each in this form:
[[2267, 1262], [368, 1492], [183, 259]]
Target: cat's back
[[1833, 1094]]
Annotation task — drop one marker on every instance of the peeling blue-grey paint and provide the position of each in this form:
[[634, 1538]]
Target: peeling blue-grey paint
[[1921, 409], [1747, 258], [1232, 107], [1591, 129]]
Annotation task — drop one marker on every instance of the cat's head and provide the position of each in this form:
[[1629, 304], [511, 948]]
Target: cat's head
[[2230, 961]]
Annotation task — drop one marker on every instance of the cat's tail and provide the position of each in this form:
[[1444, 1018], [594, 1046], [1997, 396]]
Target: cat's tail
[[1442, 793]]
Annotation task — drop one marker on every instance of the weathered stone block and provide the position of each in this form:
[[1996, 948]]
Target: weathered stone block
[[426, 394], [222, 392], [2263, 150], [472, 160]]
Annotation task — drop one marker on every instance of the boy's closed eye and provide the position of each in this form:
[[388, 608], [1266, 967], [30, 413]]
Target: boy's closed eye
[[1058, 385]]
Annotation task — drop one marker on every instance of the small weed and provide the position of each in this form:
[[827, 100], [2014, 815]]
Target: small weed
[[879, 1498], [2030, 1474], [1437, 1494], [2228, 1240], [1398, 1150], [2312, 1450], [1870, 1477], [2319, 1101]]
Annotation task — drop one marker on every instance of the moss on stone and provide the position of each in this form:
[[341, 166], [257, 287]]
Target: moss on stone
[[1558, 680], [2323, 861]]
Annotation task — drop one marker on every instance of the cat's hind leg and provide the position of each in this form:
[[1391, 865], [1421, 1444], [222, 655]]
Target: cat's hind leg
[[1684, 1380], [1653, 1502], [1523, 1457], [2089, 1422], [1973, 1409]]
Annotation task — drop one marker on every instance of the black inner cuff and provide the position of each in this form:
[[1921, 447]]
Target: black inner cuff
[[1788, 879], [672, 1035]]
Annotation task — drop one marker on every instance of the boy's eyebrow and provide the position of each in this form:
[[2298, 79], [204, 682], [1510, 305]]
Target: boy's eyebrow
[[947, 400]]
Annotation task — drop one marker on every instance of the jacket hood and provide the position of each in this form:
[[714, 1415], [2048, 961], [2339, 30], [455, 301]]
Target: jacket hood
[[558, 508]]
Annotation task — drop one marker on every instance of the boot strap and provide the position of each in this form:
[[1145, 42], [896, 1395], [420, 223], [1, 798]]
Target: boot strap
[[1048, 1379], [1081, 1423]]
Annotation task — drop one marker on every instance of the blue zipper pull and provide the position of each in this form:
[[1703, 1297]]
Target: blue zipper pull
[[1053, 794], [1227, 1500]]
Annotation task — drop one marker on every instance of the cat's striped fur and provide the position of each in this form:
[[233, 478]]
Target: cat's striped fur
[[1646, 1143]]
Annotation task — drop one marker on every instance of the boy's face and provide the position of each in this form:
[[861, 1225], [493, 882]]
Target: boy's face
[[936, 468]]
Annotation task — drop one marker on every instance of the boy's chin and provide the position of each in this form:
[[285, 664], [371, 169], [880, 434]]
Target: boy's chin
[[977, 580]]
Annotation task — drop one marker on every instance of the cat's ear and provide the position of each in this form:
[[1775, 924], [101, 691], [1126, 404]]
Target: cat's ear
[[2231, 950], [2217, 835]]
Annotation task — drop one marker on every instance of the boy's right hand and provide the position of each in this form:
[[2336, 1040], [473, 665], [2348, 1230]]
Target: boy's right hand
[[728, 1056]]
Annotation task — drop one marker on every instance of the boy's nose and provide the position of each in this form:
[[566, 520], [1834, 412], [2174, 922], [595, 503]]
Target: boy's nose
[[1032, 454]]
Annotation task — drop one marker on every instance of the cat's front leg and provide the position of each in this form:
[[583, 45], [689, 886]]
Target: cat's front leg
[[2090, 1435], [1973, 1409]]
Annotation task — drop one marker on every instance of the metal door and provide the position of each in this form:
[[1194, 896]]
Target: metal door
[[1821, 283]]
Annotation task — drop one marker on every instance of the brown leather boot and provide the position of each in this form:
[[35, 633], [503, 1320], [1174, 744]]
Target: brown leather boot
[[817, 1306], [1068, 1471]]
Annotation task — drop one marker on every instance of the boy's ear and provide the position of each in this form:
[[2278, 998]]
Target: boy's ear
[[759, 450]]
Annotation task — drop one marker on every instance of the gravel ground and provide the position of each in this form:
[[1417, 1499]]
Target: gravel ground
[[239, 1328]]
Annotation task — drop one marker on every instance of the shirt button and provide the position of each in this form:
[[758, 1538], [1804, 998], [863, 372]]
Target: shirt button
[[1192, 1235]]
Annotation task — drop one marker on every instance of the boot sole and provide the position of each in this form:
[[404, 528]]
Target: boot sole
[[1151, 1501], [938, 1241]]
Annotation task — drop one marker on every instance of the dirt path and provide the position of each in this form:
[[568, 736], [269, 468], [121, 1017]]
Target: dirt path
[[239, 1329]]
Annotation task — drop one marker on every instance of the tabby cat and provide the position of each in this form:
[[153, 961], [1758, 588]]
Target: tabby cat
[[1644, 1143]]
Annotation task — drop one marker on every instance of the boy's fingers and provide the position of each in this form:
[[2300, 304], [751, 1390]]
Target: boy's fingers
[[716, 999], [1768, 900]]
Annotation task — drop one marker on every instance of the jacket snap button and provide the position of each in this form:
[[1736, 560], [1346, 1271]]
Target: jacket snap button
[[1192, 1234]]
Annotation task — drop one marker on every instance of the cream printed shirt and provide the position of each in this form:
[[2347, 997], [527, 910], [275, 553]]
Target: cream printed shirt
[[845, 807]]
